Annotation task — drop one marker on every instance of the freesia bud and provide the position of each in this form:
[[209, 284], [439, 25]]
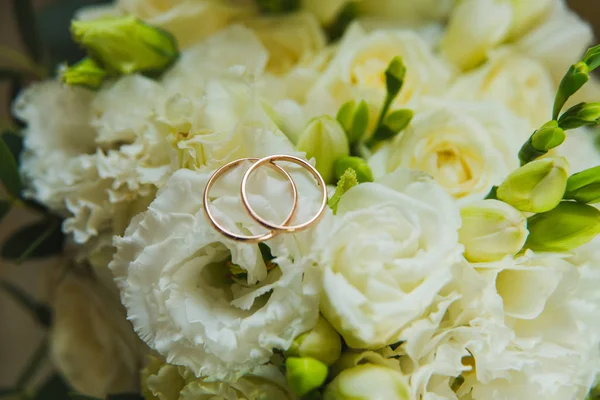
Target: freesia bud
[[577, 76], [367, 382], [325, 140], [548, 137], [564, 228], [592, 57], [358, 164], [394, 76], [86, 73], [392, 124], [536, 187], [354, 119], [305, 374], [322, 343], [491, 230], [584, 186], [583, 114], [125, 45]]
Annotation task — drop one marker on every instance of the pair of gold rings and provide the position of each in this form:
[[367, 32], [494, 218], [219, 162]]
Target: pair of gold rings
[[274, 229]]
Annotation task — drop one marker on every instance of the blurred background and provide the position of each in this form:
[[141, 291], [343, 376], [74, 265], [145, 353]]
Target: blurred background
[[20, 333]]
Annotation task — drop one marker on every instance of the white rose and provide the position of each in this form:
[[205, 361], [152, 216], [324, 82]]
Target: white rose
[[188, 20], [466, 147], [171, 267], [357, 71], [386, 255], [290, 40], [519, 82], [162, 381], [91, 342]]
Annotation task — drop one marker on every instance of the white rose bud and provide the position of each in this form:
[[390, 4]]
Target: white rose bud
[[491, 230], [368, 382], [322, 343], [325, 140]]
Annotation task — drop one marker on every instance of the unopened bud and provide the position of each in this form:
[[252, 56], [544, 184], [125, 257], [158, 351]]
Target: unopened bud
[[394, 76], [392, 124], [584, 186], [367, 382], [305, 374], [583, 114], [358, 164], [354, 119], [322, 343], [536, 187], [577, 76], [548, 137], [564, 228], [86, 73], [592, 57], [325, 140], [491, 230], [124, 45]]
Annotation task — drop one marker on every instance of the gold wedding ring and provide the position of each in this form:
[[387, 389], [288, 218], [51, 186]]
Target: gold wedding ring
[[274, 229]]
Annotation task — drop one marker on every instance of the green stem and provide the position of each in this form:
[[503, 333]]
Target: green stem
[[33, 366], [34, 245]]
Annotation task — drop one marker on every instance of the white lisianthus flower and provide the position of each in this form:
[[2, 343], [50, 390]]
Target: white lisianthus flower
[[357, 71], [188, 20], [162, 381], [172, 268], [520, 83], [386, 255], [466, 147], [91, 342]]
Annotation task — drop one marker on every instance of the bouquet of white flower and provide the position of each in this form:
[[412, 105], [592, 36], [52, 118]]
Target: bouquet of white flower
[[457, 258]]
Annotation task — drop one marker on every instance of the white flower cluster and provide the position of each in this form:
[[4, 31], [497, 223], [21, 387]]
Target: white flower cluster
[[391, 270]]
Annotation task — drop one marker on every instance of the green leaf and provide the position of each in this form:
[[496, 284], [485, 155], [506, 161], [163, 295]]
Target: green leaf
[[347, 181], [78, 396], [10, 74], [54, 388], [40, 312], [40, 239], [33, 365], [5, 206], [4, 391], [9, 172], [278, 6], [14, 141], [27, 24]]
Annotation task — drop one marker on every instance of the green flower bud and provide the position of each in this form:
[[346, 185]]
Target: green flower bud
[[491, 230], [548, 137], [325, 140], [536, 187], [354, 119], [366, 382], [583, 114], [564, 228], [86, 73], [574, 79], [322, 343], [392, 124], [592, 57], [305, 374], [346, 182], [358, 164], [584, 186], [394, 76], [124, 45]]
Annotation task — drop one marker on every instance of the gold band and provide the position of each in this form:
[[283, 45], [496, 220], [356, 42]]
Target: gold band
[[245, 238], [284, 227]]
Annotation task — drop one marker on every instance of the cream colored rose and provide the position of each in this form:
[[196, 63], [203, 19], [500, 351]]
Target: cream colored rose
[[188, 20], [357, 71], [200, 315], [91, 342], [386, 255], [466, 147], [290, 40], [520, 83], [162, 381]]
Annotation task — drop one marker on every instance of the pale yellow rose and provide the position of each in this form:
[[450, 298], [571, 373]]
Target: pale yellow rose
[[188, 20], [357, 71], [91, 342], [519, 82], [290, 39]]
